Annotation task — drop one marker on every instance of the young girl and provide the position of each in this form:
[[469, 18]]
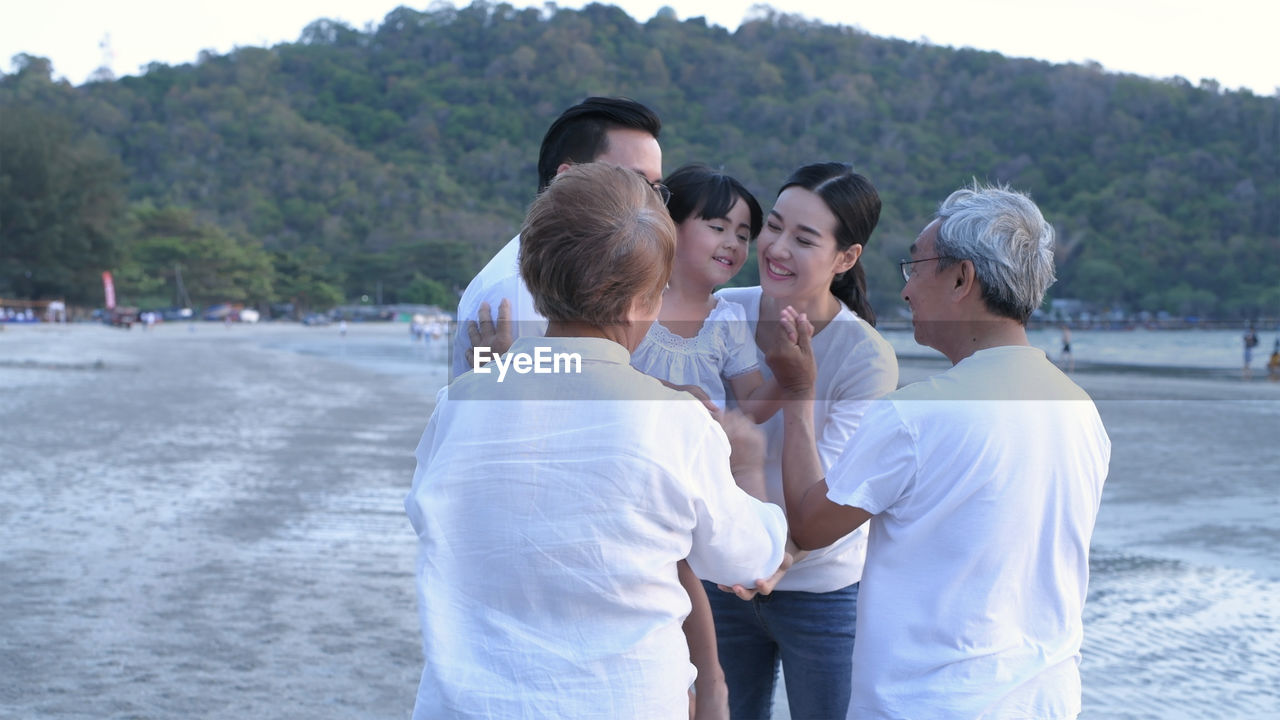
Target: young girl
[[700, 341], [696, 344]]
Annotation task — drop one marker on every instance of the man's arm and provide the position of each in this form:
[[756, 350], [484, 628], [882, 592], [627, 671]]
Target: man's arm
[[814, 520]]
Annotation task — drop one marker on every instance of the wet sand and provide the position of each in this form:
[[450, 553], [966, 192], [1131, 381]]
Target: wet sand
[[203, 528], [209, 524], [1183, 615]]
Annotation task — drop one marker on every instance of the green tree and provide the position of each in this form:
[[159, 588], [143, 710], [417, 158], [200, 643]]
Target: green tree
[[216, 267], [1101, 279], [306, 278], [60, 198], [425, 291], [408, 149], [1184, 300]]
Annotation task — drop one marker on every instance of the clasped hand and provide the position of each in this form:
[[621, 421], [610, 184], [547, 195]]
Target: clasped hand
[[790, 354]]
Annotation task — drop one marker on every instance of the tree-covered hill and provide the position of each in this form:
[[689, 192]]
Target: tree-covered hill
[[403, 156]]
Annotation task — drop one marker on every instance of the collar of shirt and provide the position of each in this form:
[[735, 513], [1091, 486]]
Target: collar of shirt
[[590, 348]]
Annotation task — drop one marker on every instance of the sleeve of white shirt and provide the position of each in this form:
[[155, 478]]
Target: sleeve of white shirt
[[737, 539], [424, 453], [868, 380], [741, 352], [468, 306], [877, 468], [461, 344]]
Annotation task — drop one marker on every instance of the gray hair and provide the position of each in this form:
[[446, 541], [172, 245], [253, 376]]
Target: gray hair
[[1002, 232]]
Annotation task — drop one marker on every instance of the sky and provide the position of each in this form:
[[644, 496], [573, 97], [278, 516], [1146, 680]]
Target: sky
[[1230, 41]]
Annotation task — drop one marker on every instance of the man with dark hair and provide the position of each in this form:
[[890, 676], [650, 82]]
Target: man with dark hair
[[619, 131], [981, 484]]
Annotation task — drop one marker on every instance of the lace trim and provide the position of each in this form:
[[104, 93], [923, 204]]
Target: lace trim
[[664, 337]]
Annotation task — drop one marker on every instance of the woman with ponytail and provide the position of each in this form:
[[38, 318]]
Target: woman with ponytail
[[808, 253]]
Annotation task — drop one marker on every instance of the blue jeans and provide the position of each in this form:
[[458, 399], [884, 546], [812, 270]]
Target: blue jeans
[[811, 634]]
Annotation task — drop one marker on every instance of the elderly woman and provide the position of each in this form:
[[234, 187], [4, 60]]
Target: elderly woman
[[555, 493]]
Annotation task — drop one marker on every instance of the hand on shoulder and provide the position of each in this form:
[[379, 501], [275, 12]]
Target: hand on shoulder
[[485, 332]]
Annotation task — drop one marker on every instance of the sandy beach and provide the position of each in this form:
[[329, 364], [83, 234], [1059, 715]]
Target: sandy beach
[[207, 521], [204, 526]]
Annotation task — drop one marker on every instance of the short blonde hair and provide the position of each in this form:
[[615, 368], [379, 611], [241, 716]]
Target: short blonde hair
[[594, 242]]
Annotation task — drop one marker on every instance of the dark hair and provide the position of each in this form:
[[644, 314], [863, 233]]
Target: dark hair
[[579, 134], [698, 189], [856, 204], [596, 241]]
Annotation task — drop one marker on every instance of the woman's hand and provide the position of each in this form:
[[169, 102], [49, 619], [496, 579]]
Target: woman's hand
[[765, 586], [790, 355]]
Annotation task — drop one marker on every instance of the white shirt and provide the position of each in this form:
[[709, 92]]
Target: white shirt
[[723, 349], [551, 511], [855, 366], [499, 279], [984, 482]]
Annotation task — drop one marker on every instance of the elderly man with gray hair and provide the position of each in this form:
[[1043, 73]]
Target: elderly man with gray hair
[[981, 484]]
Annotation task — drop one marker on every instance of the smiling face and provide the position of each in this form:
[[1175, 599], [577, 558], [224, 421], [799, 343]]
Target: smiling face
[[711, 251], [799, 255]]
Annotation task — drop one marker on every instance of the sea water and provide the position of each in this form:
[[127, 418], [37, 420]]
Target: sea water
[[1183, 612], [1139, 348]]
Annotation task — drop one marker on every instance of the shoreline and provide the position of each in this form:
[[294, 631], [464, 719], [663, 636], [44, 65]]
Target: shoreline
[[281, 334], [1092, 367], [1124, 326]]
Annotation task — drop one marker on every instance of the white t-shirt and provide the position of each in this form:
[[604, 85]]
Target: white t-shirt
[[499, 279], [984, 483], [551, 510], [855, 366], [723, 349]]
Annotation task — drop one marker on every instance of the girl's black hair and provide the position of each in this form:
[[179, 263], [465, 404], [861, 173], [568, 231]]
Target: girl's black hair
[[856, 204], [698, 189]]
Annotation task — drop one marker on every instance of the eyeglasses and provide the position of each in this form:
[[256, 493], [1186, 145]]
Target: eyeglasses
[[908, 271], [663, 191]]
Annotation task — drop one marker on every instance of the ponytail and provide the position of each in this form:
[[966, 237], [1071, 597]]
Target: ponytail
[[850, 287]]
